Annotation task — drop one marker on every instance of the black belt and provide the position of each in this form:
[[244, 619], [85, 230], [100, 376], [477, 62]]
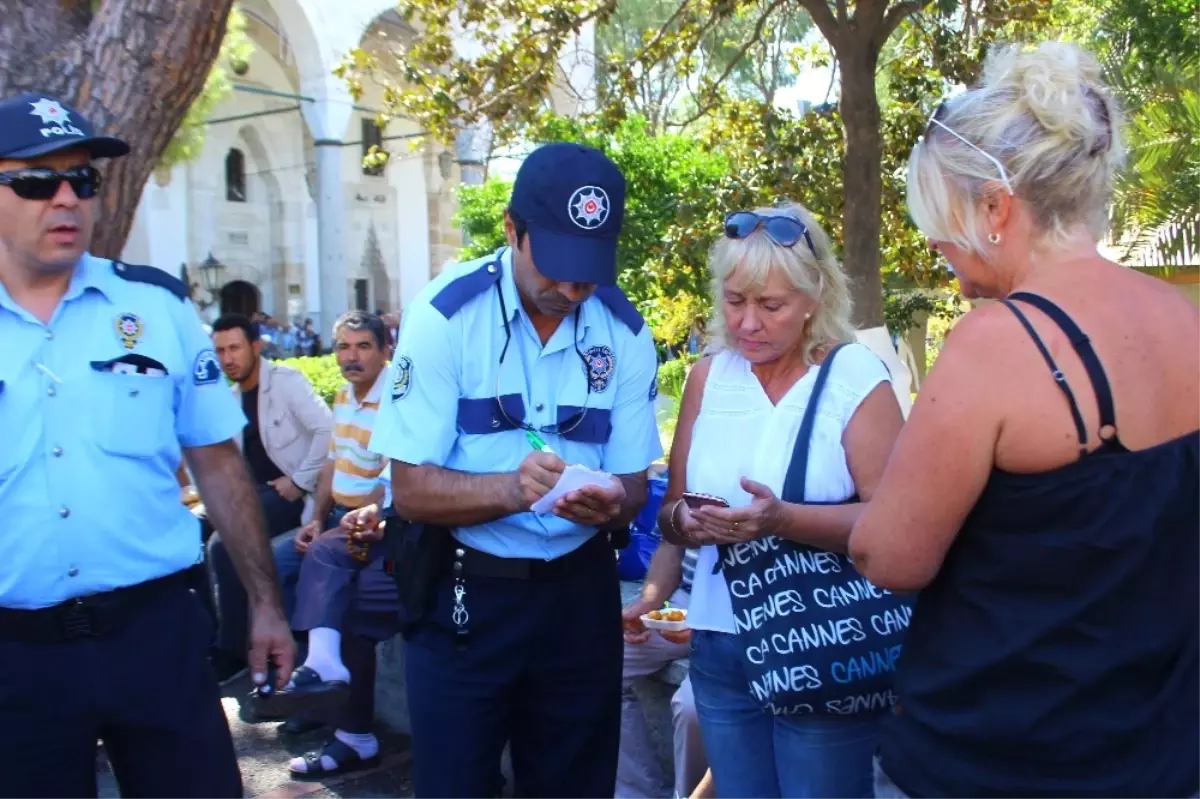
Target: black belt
[[476, 563], [86, 616]]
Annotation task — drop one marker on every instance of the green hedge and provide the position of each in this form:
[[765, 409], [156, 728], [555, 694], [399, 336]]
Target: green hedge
[[322, 371], [672, 374]]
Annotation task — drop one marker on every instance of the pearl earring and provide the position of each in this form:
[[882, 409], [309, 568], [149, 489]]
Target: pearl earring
[[994, 238]]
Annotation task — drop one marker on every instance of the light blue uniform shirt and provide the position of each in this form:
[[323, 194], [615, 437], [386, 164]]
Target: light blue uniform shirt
[[441, 407], [89, 446]]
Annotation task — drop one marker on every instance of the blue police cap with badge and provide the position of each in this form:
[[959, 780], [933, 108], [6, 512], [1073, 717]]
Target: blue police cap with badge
[[35, 124], [572, 200]]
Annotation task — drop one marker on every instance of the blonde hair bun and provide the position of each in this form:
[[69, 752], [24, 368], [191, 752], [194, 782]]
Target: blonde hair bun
[[1043, 112], [1061, 87]]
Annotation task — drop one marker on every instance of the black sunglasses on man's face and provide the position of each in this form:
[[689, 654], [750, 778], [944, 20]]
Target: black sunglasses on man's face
[[37, 183]]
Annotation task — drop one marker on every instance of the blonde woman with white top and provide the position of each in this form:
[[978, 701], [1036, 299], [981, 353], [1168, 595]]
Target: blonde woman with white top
[[763, 691]]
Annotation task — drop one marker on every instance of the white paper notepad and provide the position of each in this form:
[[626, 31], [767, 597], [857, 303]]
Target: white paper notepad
[[573, 478]]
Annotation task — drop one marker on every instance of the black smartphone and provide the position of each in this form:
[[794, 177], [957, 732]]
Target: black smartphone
[[697, 500]]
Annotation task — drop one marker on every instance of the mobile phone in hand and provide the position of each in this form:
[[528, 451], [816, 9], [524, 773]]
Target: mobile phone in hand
[[695, 500]]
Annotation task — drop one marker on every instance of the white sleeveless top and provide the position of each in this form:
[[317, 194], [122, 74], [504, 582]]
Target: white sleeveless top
[[739, 433]]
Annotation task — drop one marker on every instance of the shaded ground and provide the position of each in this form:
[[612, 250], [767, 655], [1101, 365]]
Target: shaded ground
[[263, 755]]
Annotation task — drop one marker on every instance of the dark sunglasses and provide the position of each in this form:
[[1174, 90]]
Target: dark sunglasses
[[42, 184], [783, 230]]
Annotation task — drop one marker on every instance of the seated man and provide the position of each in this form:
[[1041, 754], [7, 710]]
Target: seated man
[[339, 593], [348, 604], [348, 478], [285, 442], [639, 773]]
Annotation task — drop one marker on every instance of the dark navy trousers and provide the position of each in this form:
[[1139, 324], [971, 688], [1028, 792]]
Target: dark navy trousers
[[541, 670], [339, 592], [147, 690]]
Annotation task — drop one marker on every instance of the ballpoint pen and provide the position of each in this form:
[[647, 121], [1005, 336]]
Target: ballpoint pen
[[537, 442]]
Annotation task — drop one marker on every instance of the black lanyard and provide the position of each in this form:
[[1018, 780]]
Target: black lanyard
[[559, 428]]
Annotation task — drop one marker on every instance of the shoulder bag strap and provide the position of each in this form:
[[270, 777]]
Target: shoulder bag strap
[[793, 483]]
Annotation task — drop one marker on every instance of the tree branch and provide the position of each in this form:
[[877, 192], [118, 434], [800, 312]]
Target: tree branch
[[755, 37], [823, 17], [833, 70], [662, 31], [897, 14]]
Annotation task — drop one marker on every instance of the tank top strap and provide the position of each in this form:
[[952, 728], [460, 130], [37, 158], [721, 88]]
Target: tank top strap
[[1059, 378], [1091, 363]]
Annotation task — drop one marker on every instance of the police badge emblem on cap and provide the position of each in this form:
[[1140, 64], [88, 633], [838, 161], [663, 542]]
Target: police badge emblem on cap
[[588, 207], [33, 125], [129, 329]]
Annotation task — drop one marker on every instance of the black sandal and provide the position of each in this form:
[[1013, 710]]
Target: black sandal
[[308, 692], [344, 757]]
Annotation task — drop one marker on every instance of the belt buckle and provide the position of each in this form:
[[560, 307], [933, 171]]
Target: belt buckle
[[77, 620]]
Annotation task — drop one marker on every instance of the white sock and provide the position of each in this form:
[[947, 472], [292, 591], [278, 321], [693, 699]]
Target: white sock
[[365, 743], [325, 654]]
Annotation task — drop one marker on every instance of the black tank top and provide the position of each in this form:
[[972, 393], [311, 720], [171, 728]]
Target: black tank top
[[1056, 651]]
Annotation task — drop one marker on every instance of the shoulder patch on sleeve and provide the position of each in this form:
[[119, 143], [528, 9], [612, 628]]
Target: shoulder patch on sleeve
[[458, 292], [619, 306], [136, 273], [205, 370]]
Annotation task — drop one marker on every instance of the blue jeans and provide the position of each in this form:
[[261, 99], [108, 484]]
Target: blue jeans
[[287, 568], [753, 753]]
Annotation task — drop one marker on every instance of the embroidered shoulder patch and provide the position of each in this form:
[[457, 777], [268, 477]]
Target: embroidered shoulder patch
[[206, 370], [402, 380]]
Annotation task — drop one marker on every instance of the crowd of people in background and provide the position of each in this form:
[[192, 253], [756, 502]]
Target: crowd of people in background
[[299, 338]]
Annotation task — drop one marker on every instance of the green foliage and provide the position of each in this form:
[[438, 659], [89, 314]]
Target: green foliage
[[1155, 198], [1151, 54], [236, 49], [662, 92], [322, 372], [673, 374], [480, 216]]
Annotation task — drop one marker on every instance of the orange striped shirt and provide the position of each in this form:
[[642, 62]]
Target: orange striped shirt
[[356, 469]]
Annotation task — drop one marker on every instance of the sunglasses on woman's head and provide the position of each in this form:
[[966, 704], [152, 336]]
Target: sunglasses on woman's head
[[783, 230], [36, 183], [936, 119]]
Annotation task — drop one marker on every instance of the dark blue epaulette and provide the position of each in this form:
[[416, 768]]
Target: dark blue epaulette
[[152, 275], [619, 306], [458, 292]]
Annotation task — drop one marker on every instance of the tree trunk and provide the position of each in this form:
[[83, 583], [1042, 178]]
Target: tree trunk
[[862, 179], [132, 68]]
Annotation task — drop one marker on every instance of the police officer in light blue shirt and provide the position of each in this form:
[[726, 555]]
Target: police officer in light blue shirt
[[531, 345], [106, 378]]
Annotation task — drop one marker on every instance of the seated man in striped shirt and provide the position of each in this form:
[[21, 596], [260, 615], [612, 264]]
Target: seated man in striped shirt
[[350, 478]]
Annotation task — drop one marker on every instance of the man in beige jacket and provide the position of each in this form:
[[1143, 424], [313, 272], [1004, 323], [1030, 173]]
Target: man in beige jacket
[[285, 443]]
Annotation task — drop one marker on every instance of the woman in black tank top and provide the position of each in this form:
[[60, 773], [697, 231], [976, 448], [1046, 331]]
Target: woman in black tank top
[[1044, 497]]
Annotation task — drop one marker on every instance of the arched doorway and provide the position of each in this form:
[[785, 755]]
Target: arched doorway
[[238, 296]]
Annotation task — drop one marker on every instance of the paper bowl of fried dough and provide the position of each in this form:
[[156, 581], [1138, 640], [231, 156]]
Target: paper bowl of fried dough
[[667, 619]]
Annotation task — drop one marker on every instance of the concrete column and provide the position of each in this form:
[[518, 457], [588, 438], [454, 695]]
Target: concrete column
[[327, 118], [471, 148]]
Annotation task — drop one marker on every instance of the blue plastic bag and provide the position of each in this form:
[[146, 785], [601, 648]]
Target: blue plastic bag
[[644, 534]]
